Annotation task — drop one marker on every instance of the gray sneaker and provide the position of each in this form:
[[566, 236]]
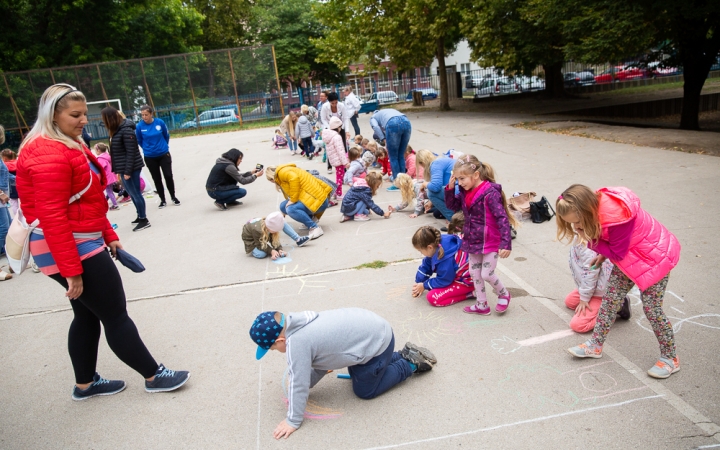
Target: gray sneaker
[[167, 380], [99, 386], [427, 354], [412, 355]]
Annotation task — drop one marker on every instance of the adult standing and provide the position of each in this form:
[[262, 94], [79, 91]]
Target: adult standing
[[306, 196], [154, 138], [287, 127], [437, 172], [126, 159], [392, 126], [352, 105], [62, 185], [321, 103], [222, 182]]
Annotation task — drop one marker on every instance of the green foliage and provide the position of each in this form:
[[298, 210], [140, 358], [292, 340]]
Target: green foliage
[[225, 23]]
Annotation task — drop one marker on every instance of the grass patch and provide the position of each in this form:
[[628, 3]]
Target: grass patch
[[225, 128], [657, 87], [373, 265]]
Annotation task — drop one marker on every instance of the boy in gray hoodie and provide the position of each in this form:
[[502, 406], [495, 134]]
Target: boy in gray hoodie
[[304, 131], [316, 343]]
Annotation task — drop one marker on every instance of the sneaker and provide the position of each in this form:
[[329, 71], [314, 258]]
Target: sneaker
[[329, 170], [142, 224], [99, 386], [176, 202], [500, 309], [345, 219], [416, 358], [125, 200], [167, 380], [625, 312], [137, 220], [114, 208], [664, 368], [310, 157], [233, 203], [162, 204], [444, 229], [220, 206], [586, 351], [393, 188], [34, 267], [361, 217], [483, 310], [427, 354], [332, 203], [315, 232], [302, 241]]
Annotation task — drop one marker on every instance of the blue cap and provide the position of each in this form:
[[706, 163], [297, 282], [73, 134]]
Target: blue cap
[[265, 330]]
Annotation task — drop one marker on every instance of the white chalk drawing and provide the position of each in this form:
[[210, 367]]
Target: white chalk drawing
[[296, 274], [424, 327], [706, 320], [506, 345]]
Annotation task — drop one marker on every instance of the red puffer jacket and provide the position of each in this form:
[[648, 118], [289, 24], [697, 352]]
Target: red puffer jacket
[[48, 174]]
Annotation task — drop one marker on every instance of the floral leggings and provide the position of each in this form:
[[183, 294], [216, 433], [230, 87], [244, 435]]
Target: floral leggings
[[482, 269], [339, 175], [652, 298]]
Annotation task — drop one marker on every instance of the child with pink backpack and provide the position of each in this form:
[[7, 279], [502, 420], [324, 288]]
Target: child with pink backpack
[[101, 151]]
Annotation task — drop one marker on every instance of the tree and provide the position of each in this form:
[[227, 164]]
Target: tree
[[407, 32], [290, 25], [225, 24]]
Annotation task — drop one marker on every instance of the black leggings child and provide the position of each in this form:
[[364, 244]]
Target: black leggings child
[[154, 165], [103, 300]]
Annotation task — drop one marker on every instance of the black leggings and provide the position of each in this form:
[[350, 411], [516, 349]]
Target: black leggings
[[103, 300], [154, 165]]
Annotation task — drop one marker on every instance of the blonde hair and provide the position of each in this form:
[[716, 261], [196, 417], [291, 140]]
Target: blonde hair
[[267, 235], [372, 146], [365, 142], [409, 150], [304, 109], [469, 164], [457, 223], [101, 147], [270, 175], [55, 99], [373, 180], [354, 153], [358, 139], [427, 236], [404, 182], [425, 158], [581, 200]]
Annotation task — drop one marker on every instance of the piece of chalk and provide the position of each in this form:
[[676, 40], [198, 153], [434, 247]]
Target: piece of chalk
[[592, 267], [343, 375]]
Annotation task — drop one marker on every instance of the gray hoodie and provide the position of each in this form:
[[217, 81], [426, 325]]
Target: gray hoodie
[[328, 340], [303, 128]]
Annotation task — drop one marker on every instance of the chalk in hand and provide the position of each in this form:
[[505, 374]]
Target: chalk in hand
[[344, 376]]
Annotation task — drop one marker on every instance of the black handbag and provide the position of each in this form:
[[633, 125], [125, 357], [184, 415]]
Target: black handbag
[[541, 211]]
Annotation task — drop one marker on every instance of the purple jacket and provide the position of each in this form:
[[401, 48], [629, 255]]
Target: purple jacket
[[487, 228]]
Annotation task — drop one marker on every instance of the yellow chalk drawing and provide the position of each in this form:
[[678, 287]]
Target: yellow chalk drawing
[[424, 327]]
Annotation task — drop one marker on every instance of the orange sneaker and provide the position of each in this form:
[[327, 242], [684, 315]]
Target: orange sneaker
[[586, 351], [664, 368]]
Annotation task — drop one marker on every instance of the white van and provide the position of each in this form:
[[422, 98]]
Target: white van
[[384, 97]]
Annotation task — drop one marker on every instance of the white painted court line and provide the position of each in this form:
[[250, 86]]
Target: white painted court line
[[546, 338], [514, 424]]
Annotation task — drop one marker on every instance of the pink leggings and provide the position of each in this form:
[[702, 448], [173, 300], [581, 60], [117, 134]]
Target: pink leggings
[[111, 195], [482, 269], [339, 175], [584, 321], [449, 295]]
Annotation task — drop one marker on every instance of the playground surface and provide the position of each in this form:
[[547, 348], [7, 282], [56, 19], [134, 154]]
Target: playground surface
[[501, 381]]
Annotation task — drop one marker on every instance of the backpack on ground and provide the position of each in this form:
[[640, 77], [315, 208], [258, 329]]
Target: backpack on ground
[[541, 211]]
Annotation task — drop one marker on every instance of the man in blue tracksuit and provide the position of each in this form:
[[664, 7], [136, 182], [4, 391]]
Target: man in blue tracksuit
[[395, 128], [317, 343], [153, 136]]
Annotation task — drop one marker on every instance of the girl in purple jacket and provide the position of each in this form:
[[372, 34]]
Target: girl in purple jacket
[[486, 230]]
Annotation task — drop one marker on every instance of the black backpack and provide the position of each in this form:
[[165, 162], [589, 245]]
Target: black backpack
[[541, 211]]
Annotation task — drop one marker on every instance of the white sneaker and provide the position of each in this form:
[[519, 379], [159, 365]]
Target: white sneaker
[[315, 232], [329, 170]]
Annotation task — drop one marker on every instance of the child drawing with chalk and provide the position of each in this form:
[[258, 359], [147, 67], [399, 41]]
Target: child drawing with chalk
[[612, 223], [444, 258], [486, 230], [317, 343], [411, 190], [261, 236], [358, 202]]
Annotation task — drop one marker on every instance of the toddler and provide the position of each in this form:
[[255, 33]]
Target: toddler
[[261, 236], [336, 152], [643, 251], [357, 168], [410, 190], [358, 139], [304, 132], [10, 159], [279, 141], [381, 157], [415, 171], [486, 229], [103, 157], [442, 256], [457, 222], [358, 201]]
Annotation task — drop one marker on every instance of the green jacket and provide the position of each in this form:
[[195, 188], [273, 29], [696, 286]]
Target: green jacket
[[251, 235]]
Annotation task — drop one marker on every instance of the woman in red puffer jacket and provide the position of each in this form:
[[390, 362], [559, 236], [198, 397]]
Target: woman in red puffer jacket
[[61, 184]]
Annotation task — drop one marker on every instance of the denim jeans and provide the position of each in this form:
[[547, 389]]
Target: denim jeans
[[4, 226], [287, 229], [301, 213], [380, 373], [227, 196], [309, 148], [292, 143], [259, 254], [438, 201], [354, 122], [397, 135], [132, 186], [360, 208]]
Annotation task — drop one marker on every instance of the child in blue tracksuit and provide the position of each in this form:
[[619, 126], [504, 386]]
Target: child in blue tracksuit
[[358, 202], [444, 258]]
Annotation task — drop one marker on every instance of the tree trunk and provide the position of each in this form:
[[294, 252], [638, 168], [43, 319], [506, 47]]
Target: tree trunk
[[554, 83], [440, 55], [695, 70]]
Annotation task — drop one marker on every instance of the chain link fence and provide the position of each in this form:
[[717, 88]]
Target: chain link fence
[[187, 91]]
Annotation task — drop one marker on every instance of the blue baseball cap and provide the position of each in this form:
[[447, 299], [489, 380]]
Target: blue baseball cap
[[265, 330]]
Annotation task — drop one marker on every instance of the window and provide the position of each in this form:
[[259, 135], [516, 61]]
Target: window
[[465, 68], [424, 72]]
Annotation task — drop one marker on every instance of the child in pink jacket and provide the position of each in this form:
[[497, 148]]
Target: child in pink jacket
[[644, 252], [101, 150], [335, 147]]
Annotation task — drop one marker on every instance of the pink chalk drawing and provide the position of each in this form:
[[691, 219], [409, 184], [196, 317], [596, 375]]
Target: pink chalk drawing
[[312, 409]]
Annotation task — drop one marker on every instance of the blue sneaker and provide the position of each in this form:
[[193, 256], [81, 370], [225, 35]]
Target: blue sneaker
[[99, 386], [167, 380], [393, 188], [302, 241]]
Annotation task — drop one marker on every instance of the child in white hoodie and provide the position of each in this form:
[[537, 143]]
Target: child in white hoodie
[[304, 132]]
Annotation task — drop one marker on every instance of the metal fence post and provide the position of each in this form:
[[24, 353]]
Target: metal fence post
[[197, 117], [15, 108], [102, 86], [277, 78], [147, 88], [237, 100]]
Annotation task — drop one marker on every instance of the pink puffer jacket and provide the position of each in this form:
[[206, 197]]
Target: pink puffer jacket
[[653, 251], [335, 148]]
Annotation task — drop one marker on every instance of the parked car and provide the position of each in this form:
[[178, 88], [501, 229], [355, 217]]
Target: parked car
[[584, 78], [532, 83], [213, 117], [497, 86], [427, 93], [384, 97], [663, 71], [624, 73], [368, 106]]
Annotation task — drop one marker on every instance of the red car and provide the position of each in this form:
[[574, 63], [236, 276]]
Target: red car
[[626, 73]]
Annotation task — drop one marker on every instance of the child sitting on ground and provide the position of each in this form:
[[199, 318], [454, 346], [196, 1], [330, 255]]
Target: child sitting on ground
[[457, 222], [381, 157], [279, 141], [262, 236], [415, 171], [410, 190], [357, 168], [358, 201], [443, 257], [358, 139], [103, 157]]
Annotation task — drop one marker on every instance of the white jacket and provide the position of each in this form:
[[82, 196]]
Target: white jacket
[[590, 283], [352, 104], [342, 113]]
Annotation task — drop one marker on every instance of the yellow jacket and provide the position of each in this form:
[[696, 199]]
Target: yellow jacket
[[298, 185]]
